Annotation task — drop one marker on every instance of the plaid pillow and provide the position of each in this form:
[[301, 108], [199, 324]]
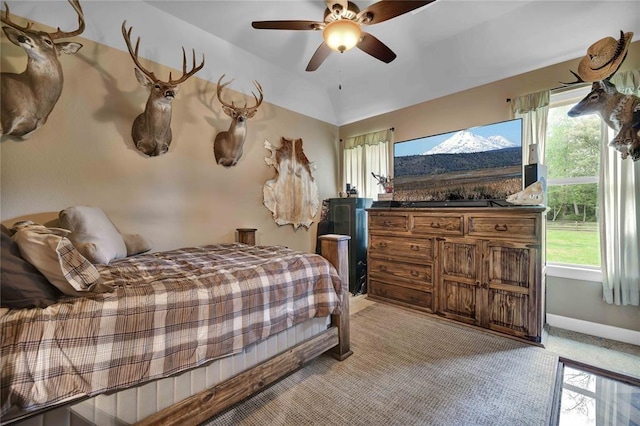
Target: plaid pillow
[[53, 254], [77, 270]]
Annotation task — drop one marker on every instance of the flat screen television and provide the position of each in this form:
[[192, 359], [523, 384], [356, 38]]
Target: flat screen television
[[479, 163]]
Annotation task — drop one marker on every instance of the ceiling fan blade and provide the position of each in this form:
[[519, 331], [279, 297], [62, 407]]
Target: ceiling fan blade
[[318, 58], [387, 9], [374, 47], [287, 25]]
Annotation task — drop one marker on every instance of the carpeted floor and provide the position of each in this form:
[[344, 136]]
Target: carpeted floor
[[617, 357], [411, 369]]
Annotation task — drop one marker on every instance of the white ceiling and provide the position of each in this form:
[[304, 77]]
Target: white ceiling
[[446, 47]]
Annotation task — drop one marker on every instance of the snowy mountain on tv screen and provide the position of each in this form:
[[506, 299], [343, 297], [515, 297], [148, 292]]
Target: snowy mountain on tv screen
[[466, 141]]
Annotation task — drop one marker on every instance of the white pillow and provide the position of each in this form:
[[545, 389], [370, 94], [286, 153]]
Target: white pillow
[[56, 258], [93, 234], [136, 244]]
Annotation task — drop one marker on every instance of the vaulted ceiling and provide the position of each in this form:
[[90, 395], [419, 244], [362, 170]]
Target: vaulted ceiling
[[443, 48]]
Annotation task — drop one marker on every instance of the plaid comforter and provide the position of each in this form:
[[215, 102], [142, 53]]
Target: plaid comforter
[[171, 311]]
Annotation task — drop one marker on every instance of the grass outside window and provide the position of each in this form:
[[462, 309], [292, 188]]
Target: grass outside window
[[573, 243]]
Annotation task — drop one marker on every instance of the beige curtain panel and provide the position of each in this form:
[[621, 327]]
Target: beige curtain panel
[[534, 110], [363, 155], [619, 199]]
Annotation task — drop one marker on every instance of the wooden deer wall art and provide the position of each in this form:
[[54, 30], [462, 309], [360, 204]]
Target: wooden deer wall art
[[292, 196], [151, 130], [227, 146], [29, 97]]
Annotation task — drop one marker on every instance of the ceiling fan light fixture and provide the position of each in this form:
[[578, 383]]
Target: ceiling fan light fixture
[[342, 35]]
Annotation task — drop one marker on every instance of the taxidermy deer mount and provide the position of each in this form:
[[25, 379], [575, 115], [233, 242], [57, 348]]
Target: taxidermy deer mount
[[621, 112], [28, 98], [151, 131], [227, 146]]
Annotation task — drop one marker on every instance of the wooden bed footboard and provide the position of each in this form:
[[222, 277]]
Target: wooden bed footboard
[[335, 341]]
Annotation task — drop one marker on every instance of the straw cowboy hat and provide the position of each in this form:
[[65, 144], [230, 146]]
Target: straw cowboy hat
[[604, 57]]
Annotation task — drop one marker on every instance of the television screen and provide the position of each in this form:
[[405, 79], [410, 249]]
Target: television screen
[[479, 163]]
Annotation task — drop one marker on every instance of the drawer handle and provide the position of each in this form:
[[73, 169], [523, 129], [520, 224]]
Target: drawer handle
[[435, 225], [414, 273], [382, 268], [387, 223], [414, 247], [382, 244], [501, 228]]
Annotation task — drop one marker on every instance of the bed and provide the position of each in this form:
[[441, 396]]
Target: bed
[[186, 334]]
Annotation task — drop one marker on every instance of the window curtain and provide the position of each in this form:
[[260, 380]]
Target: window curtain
[[619, 199], [363, 155], [533, 109]]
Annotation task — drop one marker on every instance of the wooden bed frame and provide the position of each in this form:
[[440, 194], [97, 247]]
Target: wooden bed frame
[[336, 340], [198, 408]]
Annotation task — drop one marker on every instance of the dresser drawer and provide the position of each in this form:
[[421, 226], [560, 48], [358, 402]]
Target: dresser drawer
[[414, 248], [415, 275], [416, 298], [505, 227], [393, 222], [437, 224]]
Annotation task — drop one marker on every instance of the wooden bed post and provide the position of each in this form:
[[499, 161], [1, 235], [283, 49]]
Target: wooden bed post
[[247, 236], [335, 248]]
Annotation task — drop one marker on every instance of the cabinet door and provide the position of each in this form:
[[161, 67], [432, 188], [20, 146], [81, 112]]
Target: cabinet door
[[508, 290], [458, 279]]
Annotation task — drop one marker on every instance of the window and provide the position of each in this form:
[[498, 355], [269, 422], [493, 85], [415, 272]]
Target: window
[[572, 156], [364, 155]]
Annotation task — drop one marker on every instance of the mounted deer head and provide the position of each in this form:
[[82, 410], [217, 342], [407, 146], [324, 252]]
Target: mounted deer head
[[151, 131], [621, 112], [28, 98], [228, 145]]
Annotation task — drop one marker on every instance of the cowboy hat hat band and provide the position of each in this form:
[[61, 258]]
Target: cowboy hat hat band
[[604, 57], [617, 53]]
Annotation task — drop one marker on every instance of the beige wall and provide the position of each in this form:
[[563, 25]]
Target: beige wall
[[583, 300], [481, 105], [84, 155]]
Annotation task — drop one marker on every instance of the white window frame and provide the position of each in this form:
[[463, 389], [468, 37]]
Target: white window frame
[[564, 270]]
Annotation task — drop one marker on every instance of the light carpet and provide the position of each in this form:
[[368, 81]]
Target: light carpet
[[411, 369]]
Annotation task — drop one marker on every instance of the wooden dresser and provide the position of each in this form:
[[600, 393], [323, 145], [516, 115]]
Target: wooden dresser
[[480, 266]]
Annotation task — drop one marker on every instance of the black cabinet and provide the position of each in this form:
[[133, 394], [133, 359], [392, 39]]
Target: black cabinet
[[348, 216]]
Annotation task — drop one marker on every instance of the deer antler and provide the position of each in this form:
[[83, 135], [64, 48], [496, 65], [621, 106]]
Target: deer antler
[[258, 101], [578, 80], [185, 74], [232, 105], [219, 91], [7, 20], [134, 52], [63, 34], [151, 75]]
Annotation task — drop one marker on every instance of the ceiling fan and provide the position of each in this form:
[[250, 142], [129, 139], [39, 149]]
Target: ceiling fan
[[342, 27]]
